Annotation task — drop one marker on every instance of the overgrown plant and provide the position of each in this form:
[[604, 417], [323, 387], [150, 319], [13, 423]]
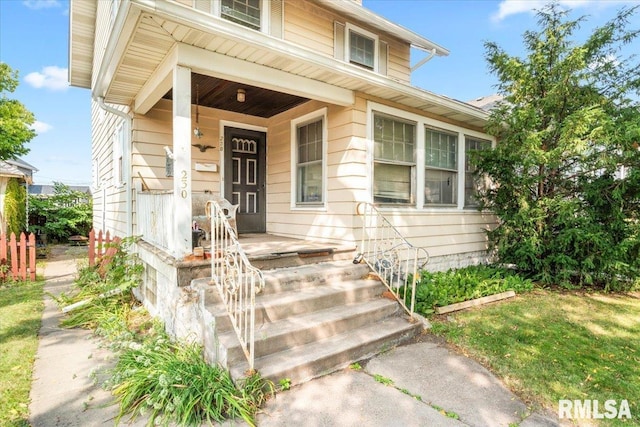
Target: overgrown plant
[[456, 285], [105, 292], [168, 381], [566, 169]]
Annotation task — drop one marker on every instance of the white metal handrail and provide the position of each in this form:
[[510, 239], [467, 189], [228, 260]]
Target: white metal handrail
[[396, 261], [238, 282]]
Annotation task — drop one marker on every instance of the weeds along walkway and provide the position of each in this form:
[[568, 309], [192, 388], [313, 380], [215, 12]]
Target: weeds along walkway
[[64, 391]]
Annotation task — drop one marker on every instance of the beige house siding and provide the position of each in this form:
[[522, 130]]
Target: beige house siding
[[109, 197], [311, 26], [442, 231], [332, 222]]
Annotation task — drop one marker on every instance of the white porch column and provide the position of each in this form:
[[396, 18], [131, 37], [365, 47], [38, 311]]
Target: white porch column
[[181, 161]]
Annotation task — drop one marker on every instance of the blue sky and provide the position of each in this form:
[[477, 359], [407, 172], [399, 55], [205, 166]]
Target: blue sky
[[34, 41]]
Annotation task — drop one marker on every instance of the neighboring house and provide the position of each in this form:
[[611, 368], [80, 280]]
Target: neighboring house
[[15, 168], [47, 190], [296, 110]]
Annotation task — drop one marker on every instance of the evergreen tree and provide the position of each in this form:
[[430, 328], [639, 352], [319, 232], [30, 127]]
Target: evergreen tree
[[566, 169]]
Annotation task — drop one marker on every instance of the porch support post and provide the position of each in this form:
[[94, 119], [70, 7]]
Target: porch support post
[[181, 161]]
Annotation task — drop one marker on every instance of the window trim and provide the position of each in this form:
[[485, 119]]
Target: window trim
[[347, 46], [311, 117], [421, 123]]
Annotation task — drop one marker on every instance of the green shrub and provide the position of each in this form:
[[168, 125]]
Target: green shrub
[[171, 382], [457, 285], [15, 200]]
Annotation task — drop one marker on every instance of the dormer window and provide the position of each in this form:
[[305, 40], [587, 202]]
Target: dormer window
[[243, 12]]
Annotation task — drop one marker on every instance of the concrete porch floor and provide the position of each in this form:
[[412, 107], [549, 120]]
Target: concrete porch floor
[[265, 245]]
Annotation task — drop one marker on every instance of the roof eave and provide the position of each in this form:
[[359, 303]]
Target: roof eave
[[82, 22], [359, 12]]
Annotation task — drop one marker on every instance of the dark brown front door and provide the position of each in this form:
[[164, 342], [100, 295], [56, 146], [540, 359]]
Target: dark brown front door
[[245, 173]]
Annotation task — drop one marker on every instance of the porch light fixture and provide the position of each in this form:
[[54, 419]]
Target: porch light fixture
[[197, 132], [242, 95]]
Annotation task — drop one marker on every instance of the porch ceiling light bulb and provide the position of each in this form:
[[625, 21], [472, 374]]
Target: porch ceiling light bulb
[[197, 132], [241, 95]]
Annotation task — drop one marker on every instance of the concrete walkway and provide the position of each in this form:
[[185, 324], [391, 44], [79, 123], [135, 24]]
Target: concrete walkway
[[426, 381], [65, 390]]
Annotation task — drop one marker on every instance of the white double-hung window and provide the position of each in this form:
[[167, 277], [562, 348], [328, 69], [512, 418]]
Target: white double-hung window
[[308, 159], [421, 162], [441, 168], [394, 159]]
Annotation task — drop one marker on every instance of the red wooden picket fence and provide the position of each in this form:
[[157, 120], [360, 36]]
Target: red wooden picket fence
[[18, 257], [100, 247]]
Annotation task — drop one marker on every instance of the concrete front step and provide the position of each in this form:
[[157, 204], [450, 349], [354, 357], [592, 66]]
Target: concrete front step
[[287, 333], [274, 307], [312, 320], [312, 275], [303, 363]]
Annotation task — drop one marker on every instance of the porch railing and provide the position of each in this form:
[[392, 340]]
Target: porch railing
[[396, 261], [154, 214], [238, 282]]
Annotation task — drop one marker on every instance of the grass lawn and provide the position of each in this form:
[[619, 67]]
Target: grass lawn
[[21, 308], [548, 346]]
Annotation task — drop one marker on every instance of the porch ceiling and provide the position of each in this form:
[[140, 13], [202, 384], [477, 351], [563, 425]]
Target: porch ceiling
[[153, 36], [222, 94]]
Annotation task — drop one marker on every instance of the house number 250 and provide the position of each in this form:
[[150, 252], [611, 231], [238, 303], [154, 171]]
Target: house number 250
[[183, 184]]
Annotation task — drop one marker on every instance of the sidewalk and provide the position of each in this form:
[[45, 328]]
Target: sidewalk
[[64, 392]]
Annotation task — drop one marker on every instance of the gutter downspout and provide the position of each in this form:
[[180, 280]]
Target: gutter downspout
[[126, 156], [432, 53]]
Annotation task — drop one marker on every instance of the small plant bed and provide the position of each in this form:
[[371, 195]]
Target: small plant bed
[[441, 289], [22, 307], [548, 345], [154, 377]]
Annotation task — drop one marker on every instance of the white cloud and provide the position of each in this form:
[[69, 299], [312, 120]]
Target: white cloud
[[41, 4], [52, 77], [514, 7], [41, 127]]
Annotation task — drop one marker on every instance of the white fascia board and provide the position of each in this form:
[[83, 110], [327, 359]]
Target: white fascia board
[[119, 35], [362, 14], [160, 82], [221, 66]]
